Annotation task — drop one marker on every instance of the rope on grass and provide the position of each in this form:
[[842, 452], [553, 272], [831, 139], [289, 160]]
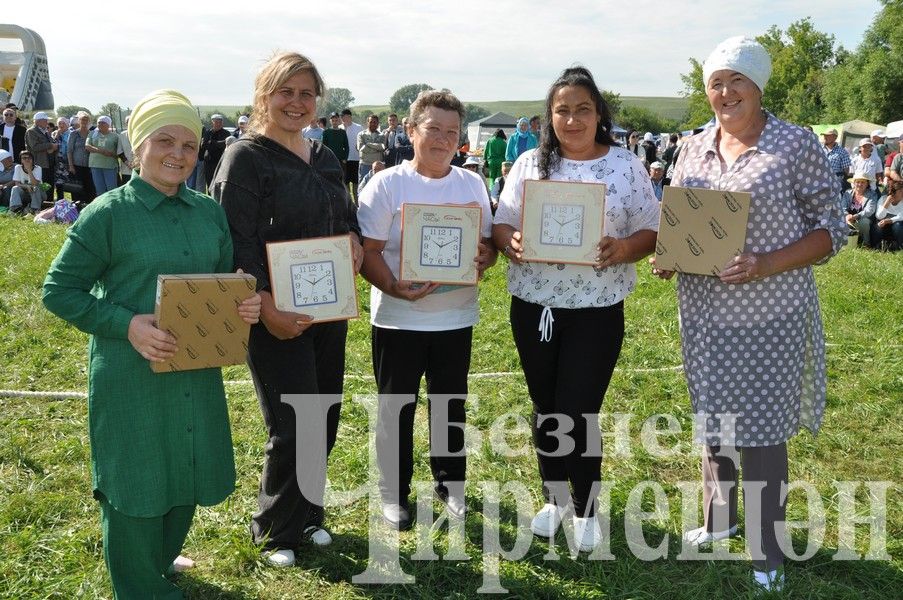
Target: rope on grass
[[63, 395]]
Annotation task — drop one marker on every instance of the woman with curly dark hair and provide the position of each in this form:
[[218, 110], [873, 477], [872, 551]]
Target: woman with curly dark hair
[[579, 309]]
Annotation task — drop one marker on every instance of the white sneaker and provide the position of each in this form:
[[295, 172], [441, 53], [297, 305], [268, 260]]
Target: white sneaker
[[768, 581], [317, 535], [182, 564], [587, 533], [699, 536], [281, 558], [547, 521], [456, 506]]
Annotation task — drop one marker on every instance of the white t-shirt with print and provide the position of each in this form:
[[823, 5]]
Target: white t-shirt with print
[[21, 176], [379, 215], [630, 206]]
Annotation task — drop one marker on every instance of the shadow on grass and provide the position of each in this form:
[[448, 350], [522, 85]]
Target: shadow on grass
[[546, 571]]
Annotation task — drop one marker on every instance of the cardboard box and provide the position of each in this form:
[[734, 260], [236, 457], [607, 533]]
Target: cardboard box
[[199, 311], [700, 230]]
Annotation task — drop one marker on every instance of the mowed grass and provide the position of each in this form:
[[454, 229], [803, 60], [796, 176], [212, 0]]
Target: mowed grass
[[50, 540]]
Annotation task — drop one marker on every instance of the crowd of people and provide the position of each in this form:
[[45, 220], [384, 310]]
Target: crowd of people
[[287, 174]]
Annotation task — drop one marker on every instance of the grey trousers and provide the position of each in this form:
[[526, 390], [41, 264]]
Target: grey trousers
[[763, 506]]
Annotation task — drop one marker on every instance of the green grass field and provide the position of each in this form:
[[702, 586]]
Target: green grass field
[[50, 541]]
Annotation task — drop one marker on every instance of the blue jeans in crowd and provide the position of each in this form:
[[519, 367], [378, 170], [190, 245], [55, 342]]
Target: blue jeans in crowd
[[196, 179], [104, 179]]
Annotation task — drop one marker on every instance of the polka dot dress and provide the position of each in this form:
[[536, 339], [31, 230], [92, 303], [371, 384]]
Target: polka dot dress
[[754, 353]]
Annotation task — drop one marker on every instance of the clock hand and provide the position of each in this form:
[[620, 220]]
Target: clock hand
[[570, 220]]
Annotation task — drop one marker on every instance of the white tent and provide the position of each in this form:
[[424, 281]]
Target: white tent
[[894, 130], [479, 132]]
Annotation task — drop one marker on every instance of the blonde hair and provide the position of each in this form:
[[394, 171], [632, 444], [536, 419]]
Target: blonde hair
[[280, 68]]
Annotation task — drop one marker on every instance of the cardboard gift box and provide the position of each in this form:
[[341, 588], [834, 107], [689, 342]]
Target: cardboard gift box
[[199, 310], [700, 230]]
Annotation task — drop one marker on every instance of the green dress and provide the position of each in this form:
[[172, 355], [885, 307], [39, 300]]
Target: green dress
[[494, 155], [157, 440]]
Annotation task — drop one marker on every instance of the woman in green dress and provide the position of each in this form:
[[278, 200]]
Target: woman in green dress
[[160, 443]]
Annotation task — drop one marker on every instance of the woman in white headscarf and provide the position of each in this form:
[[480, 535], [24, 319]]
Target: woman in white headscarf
[[752, 339]]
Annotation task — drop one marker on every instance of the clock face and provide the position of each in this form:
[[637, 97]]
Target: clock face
[[313, 283], [562, 225], [440, 246]]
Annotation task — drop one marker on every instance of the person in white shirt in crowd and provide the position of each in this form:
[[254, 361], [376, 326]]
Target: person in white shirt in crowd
[[242, 128], [27, 180], [889, 217], [6, 176], [126, 156], [354, 155], [867, 161], [421, 329]]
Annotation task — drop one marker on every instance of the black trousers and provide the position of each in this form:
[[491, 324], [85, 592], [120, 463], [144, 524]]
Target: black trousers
[[567, 377], [312, 363], [83, 174], [400, 359], [765, 512]]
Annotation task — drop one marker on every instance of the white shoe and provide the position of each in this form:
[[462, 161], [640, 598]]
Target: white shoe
[[699, 536], [281, 558], [456, 506], [547, 521], [587, 533], [182, 564], [768, 581], [317, 535]]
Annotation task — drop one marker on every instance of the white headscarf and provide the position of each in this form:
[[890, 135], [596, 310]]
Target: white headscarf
[[743, 55]]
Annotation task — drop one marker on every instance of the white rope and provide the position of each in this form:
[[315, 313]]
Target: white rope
[[64, 395], [545, 325]]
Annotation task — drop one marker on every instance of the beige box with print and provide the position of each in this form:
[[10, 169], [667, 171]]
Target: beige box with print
[[700, 230], [199, 310]]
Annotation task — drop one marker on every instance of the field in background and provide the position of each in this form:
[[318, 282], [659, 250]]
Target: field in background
[[50, 541], [670, 108]]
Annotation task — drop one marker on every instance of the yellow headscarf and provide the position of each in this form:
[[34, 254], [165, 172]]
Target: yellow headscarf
[[160, 108]]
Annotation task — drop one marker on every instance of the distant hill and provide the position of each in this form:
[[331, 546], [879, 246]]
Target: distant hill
[[670, 108]]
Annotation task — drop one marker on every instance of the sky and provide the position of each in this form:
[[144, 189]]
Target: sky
[[210, 51]]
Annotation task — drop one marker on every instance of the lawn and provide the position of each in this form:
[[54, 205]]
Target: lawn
[[50, 541]]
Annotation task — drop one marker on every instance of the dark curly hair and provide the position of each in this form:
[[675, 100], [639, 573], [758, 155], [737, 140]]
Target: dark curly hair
[[549, 157]]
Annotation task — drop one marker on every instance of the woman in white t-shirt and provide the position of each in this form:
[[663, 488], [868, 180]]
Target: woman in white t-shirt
[[421, 329], [27, 178], [568, 320]]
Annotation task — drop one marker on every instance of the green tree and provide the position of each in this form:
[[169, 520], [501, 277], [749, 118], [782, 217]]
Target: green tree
[[643, 119], [401, 100], [69, 110], [335, 100], [698, 111], [116, 113], [867, 83], [800, 58], [473, 112], [613, 99]]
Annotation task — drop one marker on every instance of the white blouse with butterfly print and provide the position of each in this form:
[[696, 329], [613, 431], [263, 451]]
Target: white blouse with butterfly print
[[630, 206]]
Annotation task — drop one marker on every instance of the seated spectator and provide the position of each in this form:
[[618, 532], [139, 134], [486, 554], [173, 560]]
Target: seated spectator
[[657, 175], [27, 180], [889, 217], [860, 204], [376, 168], [499, 185], [6, 176]]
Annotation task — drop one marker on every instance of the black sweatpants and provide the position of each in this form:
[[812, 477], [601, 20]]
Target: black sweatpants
[[567, 377], [400, 359], [312, 363]]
